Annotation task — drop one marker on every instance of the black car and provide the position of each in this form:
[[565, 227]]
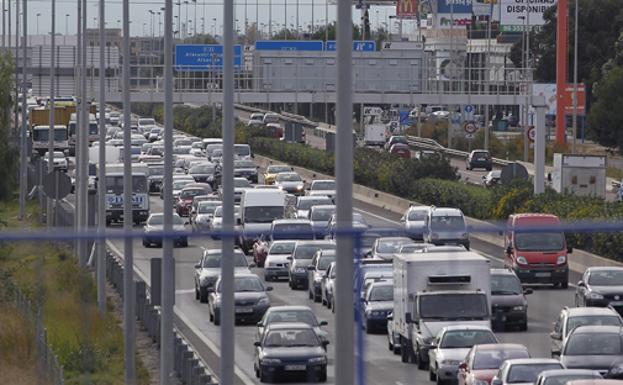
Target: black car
[[509, 306], [156, 173], [377, 303], [251, 300], [204, 173], [479, 159], [290, 348], [244, 168], [601, 286]]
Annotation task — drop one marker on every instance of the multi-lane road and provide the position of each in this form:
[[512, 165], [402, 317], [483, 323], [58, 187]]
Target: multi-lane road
[[381, 367]]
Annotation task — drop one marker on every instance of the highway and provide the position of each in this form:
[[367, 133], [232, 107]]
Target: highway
[[381, 366]]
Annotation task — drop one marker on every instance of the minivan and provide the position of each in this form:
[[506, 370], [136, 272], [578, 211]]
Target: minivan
[[446, 225]]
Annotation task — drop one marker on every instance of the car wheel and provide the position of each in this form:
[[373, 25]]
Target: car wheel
[[184, 242], [333, 306], [419, 359], [317, 298], [310, 294], [196, 292], [438, 380], [323, 375], [217, 320], [203, 295], [368, 327], [564, 285], [524, 326], [145, 243], [432, 376], [263, 376]]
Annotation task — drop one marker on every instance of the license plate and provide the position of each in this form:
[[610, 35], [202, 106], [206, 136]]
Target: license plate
[[544, 274], [244, 310], [295, 367]]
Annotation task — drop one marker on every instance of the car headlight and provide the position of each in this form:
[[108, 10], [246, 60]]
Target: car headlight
[[562, 259], [299, 187], [522, 260], [450, 362], [263, 301], [595, 296], [519, 308], [271, 361], [318, 360]]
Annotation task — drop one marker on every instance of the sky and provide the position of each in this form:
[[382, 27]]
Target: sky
[[141, 19]]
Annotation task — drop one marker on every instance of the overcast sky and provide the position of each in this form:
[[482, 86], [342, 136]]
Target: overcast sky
[[212, 9]]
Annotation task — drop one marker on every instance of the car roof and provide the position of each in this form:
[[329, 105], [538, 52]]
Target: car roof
[[288, 326], [289, 307], [449, 211], [529, 361], [290, 221], [604, 268], [318, 207], [466, 327], [502, 271], [589, 329], [323, 180], [313, 198], [220, 251], [388, 239], [561, 372], [589, 311], [314, 242], [501, 346]]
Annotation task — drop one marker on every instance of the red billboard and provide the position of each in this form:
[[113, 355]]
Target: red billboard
[[406, 9]]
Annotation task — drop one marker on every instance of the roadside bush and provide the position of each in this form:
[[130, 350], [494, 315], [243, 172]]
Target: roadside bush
[[475, 201]]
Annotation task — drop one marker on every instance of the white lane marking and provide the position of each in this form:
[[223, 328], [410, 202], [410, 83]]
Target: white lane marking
[[212, 346]]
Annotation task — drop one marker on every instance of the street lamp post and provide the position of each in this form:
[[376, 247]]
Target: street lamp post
[[575, 76], [195, 18], [186, 18]]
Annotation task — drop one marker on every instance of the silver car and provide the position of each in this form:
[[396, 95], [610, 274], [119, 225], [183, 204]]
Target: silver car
[[446, 226], [290, 182], [305, 203], [276, 263], [593, 347], [283, 314], [414, 221], [203, 215], [208, 269], [386, 247], [450, 348], [324, 187]]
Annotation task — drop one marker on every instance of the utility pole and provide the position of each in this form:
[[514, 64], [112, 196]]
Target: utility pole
[[227, 262], [129, 323], [23, 148], [575, 76], [101, 192], [168, 259], [51, 218], [84, 139]]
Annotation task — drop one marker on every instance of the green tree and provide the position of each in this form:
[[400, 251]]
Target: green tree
[[605, 118], [8, 151]]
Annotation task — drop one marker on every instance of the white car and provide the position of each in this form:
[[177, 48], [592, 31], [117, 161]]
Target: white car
[[450, 348], [58, 159], [414, 221], [276, 262], [524, 371]]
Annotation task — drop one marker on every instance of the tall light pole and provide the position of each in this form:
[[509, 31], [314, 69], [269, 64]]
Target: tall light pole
[[270, 19], [575, 76], [66, 29], [38, 14], [186, 18], [51, 212], [101, 196], [195, 18]]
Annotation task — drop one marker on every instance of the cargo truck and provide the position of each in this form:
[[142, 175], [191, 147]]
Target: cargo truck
[[435, 290]]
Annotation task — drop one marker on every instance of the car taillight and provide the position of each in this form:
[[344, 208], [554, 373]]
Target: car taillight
[[435, 236]]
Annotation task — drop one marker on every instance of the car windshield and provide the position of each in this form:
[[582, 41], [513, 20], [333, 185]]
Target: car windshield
[[606, 278], [461, 339], [308, 251], [293, 231], [382, 293], [242, 284], [505, 284], [417, 215], [481, 154], [243, 150], [367, 241], [325, 261], [281, 248], [219, 211], [178, 185], [291, 338], [574, 322], [323, 185], [182, 142], [390, 245], [323, 214], [181, 150], [528, 373], [562, 379], [593, 344], [539, 241], [305, 316], [288, 178], [114, 184], [41, 135], [306, 204], [202, 169], [156, 171], [244, 164], [213, 261], [277, 169], [493, 359], [146, 122], [207, 207], [448, 223], [263, 214], [158, 219], [191, 193], [453, 306], [241, 183]]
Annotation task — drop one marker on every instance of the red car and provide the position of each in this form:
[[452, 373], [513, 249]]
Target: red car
[[483, 362], [185, 200], [400, 149], [260, 251]]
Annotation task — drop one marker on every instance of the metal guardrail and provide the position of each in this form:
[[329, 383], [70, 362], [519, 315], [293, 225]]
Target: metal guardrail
[[431, 144]]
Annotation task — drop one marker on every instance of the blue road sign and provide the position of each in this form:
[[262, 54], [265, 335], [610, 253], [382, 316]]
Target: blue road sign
[[454, 6], [288, 45], [204, 57], [469, 108], [358, 45], [404, 117]]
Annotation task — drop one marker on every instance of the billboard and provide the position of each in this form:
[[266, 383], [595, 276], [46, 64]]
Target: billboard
[[514, 13], [406, 9], [454, 6], [548, 90], [456, 21], [203, 57]]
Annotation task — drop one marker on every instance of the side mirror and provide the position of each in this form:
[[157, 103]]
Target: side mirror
[[408, 318], [496, 381], [323, 323], [197, 265], [239, 221], [252, 155], [463, 366], [390, 317], [509, 250], [259, 324], [527, 291], [257, 343], [569, 249], [269, 288], [289, 258], [581, 284], [555, 336], [311, 268], [252, 265], [325, 343]]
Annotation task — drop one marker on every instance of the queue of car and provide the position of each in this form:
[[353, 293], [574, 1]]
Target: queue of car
[[292, 239]]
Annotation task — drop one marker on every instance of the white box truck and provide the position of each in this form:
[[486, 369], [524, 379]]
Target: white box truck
[[435, 290]]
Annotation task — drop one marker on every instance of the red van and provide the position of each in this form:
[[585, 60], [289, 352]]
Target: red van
[[537, 256]]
